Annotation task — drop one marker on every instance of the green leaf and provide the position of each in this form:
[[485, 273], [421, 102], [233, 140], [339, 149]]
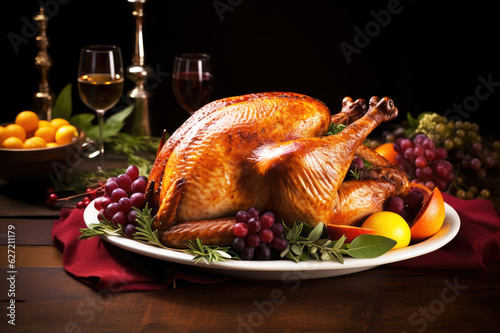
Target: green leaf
[[121, 116], [83, 120], [63, 104], [316, 233], [369, 246]]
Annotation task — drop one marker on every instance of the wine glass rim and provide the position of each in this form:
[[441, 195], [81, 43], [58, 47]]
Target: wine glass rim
[[101, 47], [193, 56]]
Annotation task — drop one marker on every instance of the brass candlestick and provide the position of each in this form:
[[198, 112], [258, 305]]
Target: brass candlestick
[[139, 73], [44, 97]]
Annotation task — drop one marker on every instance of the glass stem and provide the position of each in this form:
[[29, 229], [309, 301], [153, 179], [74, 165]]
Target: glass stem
[[100, 120]]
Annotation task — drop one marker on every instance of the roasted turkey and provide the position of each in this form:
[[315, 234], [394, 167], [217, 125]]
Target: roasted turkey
[[270, 151]]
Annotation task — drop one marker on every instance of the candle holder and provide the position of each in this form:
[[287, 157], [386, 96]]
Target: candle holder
[[44, 98], [139, 73]]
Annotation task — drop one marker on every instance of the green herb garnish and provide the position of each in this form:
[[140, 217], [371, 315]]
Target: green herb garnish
[[304, 244], [208, 253]]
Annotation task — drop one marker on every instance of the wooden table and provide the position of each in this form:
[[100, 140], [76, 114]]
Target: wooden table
[[382, 299]]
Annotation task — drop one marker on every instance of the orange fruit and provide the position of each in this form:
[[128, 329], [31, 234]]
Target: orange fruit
[[4, 134], [65, 134], [388, 152], [16, 130], [335, 231], [28, 120], [58, 122], [47, 133], [52, 144], [13, 143], [391, 225], [34, 142], [43, 123], [430, 218]]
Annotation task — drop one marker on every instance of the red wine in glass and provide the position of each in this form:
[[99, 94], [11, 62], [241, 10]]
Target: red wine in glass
[[192, 80]]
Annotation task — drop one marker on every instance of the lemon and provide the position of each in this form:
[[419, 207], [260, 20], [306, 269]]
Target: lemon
[[58, 123], [16, 130], [28, 120], [12, 142], [65, 134], [47, 133], [390, 225], [34, 142], [4, 134]]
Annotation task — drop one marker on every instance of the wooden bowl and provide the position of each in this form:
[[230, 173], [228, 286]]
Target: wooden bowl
[[38, 164]]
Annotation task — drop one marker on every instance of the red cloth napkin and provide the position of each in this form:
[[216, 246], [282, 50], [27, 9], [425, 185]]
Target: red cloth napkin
[[477, 243], [103, 266]]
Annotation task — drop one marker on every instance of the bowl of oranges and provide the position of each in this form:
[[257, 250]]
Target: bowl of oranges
[[31, 149]]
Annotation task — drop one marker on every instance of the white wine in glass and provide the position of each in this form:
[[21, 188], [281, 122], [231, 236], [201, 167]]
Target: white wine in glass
[[100, 83]]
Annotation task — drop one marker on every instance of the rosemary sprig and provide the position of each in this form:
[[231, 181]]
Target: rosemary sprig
[[144, 231], [104, 227], [208, 253]]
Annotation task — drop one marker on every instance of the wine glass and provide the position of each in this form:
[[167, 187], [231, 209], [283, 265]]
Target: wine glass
[[192, 80], [100, 83]]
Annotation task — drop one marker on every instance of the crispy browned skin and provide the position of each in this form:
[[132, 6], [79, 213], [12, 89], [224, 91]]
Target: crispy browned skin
[[267, 151], [158, 168]]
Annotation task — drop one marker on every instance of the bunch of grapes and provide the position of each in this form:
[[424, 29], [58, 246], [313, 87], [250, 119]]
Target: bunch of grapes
[[256, 235], [425, 163], [121, 194]]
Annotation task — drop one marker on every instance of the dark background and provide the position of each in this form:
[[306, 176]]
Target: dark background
[[427, 58]]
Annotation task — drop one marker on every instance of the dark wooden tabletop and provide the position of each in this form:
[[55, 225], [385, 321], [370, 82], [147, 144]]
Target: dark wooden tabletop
[[382, 299]]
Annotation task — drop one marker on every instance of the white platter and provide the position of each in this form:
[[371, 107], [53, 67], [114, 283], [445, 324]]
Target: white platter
[[287, 269]]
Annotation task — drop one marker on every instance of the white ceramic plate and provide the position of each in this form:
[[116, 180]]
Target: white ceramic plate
[[287, 269]]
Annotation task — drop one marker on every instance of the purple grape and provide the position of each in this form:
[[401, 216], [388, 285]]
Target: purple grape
[[440, 184], [112, 209], [396, 205], [419, 139], [279, 243], [253, 212], [429, 154], [475, 163], [262, 252], [267, 220], [239, 244], [130, 230], [138, 200], [409, 154], [132, 172], [119, 218], [109, 187], [132, 216], [242, 216], [418, 151], [406, 144], [420, 162], [254, 225], [124, 182], [117, 194], [277, 229], [440, 153], [253, 239], [139, 186], [414, 200], [428, 143], [240, 229], [105, 202], [247, 253], [266, 235], [357, 162], [125, 204]]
